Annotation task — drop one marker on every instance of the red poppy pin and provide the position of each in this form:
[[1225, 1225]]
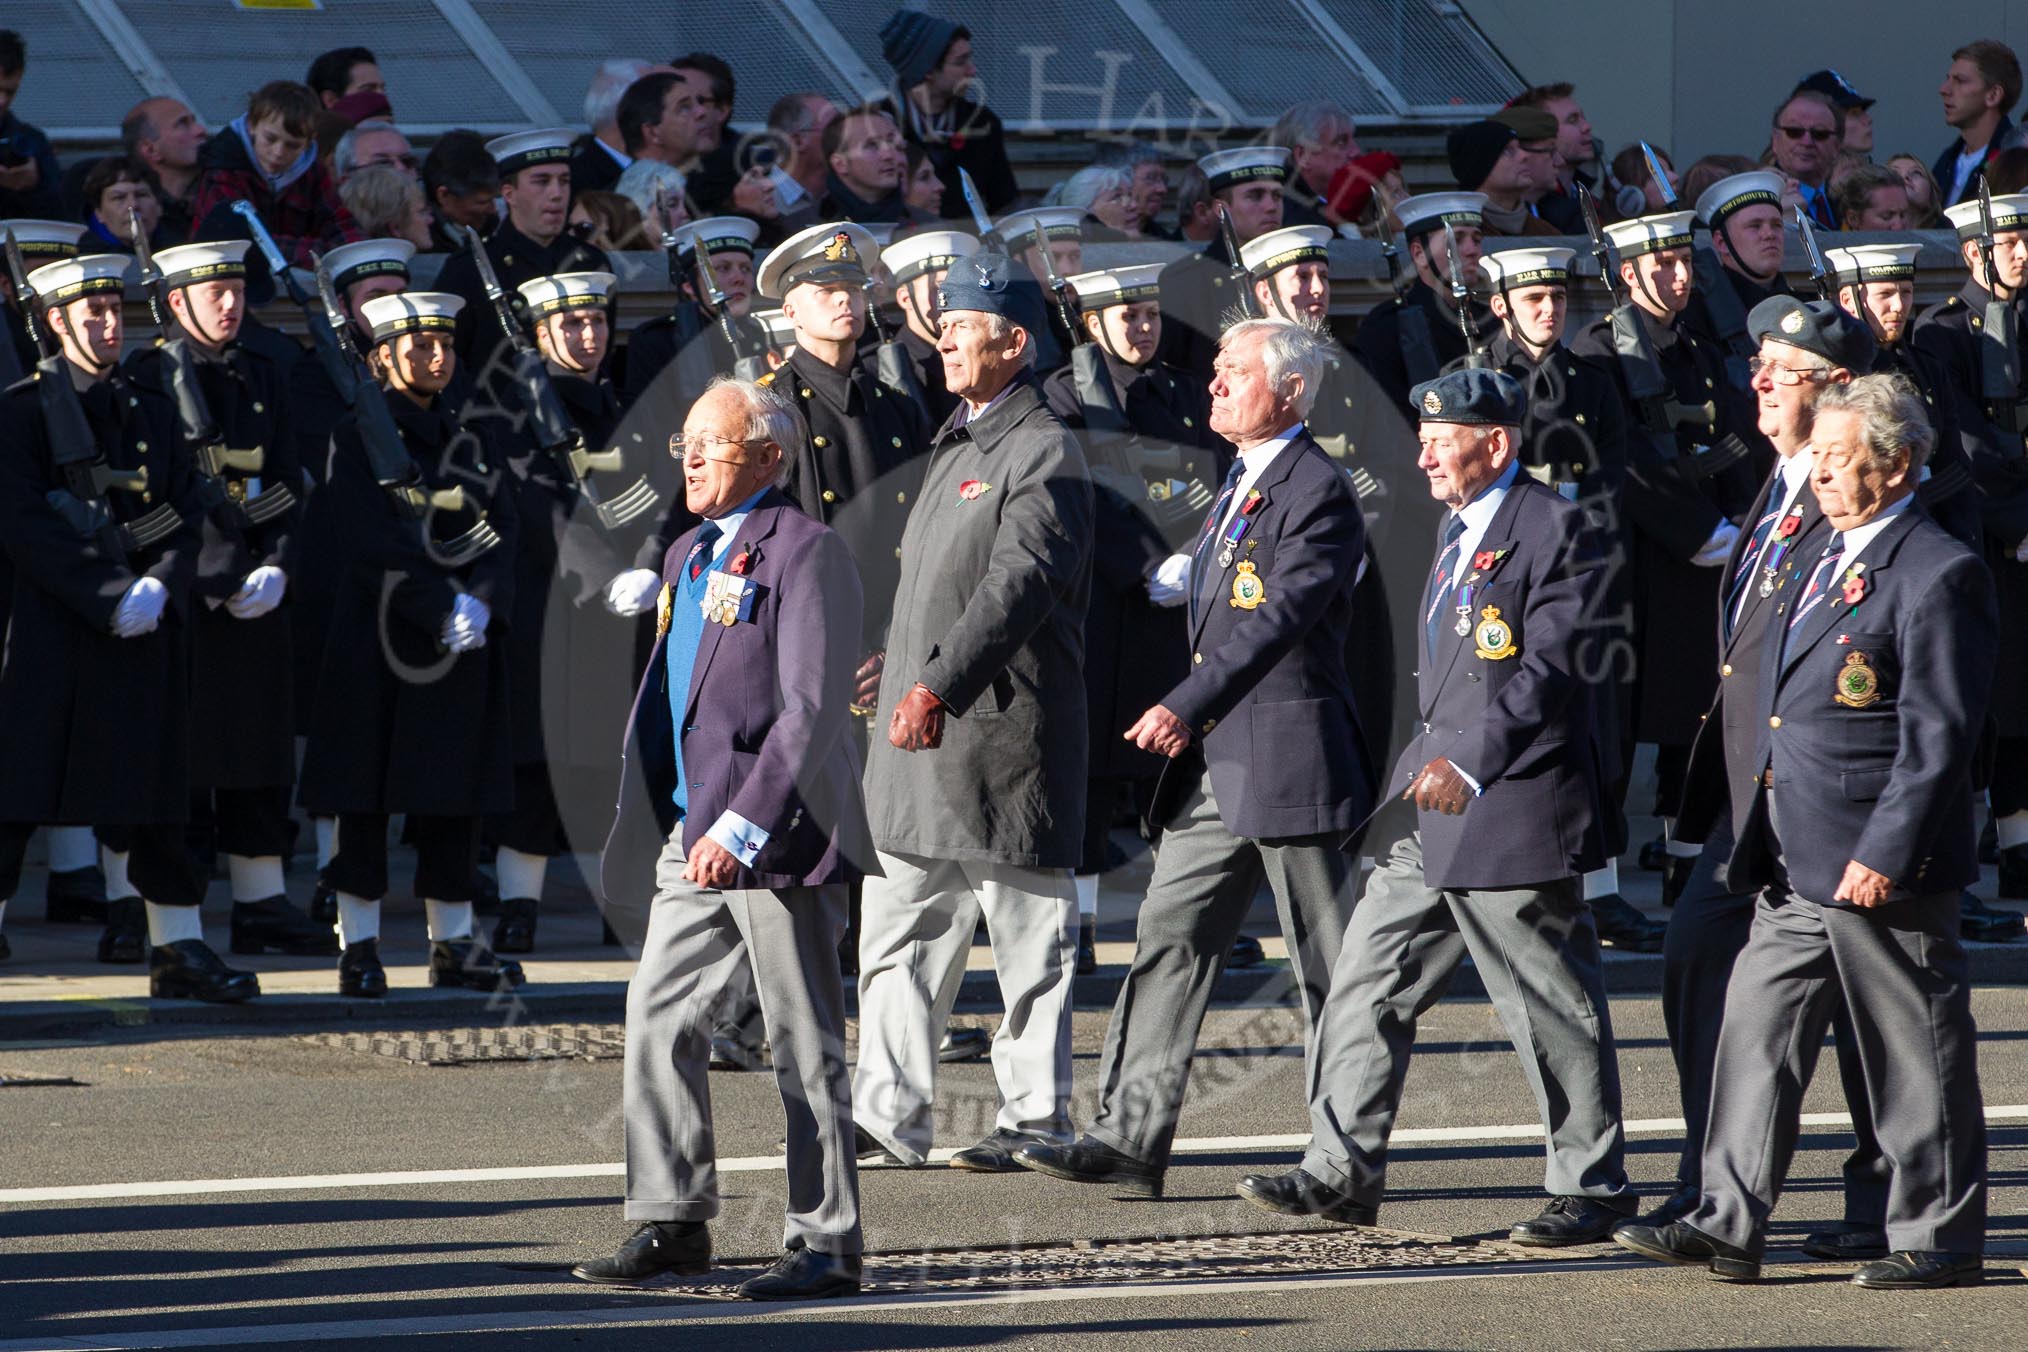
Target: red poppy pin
[[1788, 524], [1252, 503], [957, 143], [974, 488], [1486, 560], [1855, 585], [742, 563]]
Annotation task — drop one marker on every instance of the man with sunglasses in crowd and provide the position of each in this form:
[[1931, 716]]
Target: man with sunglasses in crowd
[[1809, 130]]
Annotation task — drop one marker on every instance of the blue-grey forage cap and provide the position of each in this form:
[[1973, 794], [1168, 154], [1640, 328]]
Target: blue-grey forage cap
[[1815, 326], [1471, 395], [996, 284]]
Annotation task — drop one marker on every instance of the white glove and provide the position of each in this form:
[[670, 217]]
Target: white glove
[[2021, 551], [1713, 552], [259, 594], [140, 610], [465, 629], [1170, 584], [631, 591]]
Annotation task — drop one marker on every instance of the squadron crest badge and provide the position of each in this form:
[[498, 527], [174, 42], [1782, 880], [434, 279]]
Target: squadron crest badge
[[1494, 637]]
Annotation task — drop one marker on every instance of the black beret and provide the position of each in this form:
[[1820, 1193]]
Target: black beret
[[1472, 395], [1815, 326], [997, 285]]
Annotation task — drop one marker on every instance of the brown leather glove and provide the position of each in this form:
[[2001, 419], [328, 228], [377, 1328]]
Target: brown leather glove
[[1438, 787], [918, 722], [866, 694]]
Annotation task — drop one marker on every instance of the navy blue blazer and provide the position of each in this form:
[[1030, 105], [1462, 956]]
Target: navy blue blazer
[[1868, 723], [1268, 700], [766, 722], [1525, 725]]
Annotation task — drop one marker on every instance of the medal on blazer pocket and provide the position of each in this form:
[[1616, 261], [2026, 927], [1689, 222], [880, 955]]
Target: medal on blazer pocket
[[1858, 683], [664, 606], [1248, 590], [1494, 638]]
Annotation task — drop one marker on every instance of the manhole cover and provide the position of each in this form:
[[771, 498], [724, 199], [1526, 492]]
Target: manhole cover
[[471, 1046]]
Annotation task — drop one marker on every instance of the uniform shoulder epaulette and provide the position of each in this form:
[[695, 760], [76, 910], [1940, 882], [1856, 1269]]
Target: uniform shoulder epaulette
[[769, 378], [1953, 300]]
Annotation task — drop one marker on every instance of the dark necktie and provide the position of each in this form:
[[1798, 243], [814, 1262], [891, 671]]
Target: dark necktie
[[1820, 585], [1440, 582], [1748, 557], [1210, 531], [700, 553]]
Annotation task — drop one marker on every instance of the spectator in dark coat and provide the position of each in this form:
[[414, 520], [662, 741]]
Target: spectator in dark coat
[[266, 157], [28, 169]]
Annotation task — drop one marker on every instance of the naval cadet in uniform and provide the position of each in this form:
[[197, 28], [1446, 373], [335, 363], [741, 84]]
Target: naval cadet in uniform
[[1742, 268], [1410, 337], [916, 265], [1509, 734], [1201, 289]]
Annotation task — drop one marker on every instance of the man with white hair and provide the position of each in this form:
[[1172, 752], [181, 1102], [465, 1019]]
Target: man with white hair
[[1267, 777], [598, 156], [1319, 138], [1494, 812], [372, 143]]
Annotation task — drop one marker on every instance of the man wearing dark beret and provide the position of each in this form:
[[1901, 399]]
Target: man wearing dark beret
[[932, 62], [1494, 812]]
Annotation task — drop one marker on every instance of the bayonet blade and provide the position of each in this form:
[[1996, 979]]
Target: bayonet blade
[[1662, 184], [980, 218]]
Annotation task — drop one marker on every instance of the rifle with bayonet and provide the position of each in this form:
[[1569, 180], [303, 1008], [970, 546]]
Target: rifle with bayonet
[[549, 425], [201, 430], [1820, 276], [1999, 341], [1461, 301], [749, 354], [989, 239], [1095, 393], [73, 450], [387, 457], [1249, 304], [1714, 283], [1648, 389]]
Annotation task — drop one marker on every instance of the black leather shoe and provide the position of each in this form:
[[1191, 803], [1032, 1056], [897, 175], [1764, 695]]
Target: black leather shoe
[[125, 938], [1675, 877], [964, 1044], [323, 906], [76, 896], [189, 970], [360, 974], [1674, 1207], [1246, 952], [1653, 853], [271, 923], [1087, 947], [871, 1153], [681, 1247], [1574, 1220], [515, 932], [732, 1050], [805, 1274], [1684, 1244], [1849, 1243], [1088, 1161], [1301, 1193], [1917, 1270], [467, 964], [1622, 927], [995, 1154], [1987, 924]]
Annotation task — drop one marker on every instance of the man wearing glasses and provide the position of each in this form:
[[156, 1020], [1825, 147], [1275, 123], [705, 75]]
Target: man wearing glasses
[[1809, 130]]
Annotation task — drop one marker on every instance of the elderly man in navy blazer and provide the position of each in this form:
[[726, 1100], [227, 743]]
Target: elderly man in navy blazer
[[1267, 778], [740, 815], [1858, 835], [1505, 775]]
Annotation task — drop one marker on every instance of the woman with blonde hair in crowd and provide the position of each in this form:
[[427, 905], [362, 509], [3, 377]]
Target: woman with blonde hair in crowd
[[387, 203]]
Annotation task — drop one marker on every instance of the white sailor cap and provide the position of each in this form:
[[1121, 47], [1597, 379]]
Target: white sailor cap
[[926, 251], [1268, 254], [781, 333], [190, 263], [721, 234], [1117, 286], [1020, 228], [63, 281], [524, 149], [1527, 267], [567, 291], [1736, 192], [1651, 234], [1242, 164], [2010, 212], [1429, 211], [349, 263], [410, 312], [45, 240], [837, 251], [1873, 262]]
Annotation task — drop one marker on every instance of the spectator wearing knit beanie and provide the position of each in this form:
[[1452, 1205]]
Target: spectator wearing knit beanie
[[933, 71]]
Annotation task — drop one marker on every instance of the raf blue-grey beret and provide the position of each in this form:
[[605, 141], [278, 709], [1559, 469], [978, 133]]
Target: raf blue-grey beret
[[997, 285], [1815, 326], [1471, 395]]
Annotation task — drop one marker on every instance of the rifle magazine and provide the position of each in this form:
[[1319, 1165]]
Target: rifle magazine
[[151, 529], [629, 506]]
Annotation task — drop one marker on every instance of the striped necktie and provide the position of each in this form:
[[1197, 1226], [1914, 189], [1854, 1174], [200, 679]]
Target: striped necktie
[[700, 553], [1440, 582], [1820, 584], [1210, 531]]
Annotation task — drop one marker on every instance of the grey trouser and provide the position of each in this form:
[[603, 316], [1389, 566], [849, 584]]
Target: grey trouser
[[1536, 950], [694, 938], [1205, 879], [915, 932]]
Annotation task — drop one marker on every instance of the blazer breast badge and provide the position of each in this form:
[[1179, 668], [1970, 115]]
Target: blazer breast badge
[[1494, 637], [1248, 590], [1858, 684]]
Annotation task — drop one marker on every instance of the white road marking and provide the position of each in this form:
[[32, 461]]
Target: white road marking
[[406, 1178], [668, 1312]]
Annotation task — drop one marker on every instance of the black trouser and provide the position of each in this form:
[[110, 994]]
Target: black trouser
[[446, 862], [246, 822], [1101, 805], [535, 825], [1672, 766], [2010, 776], [156, 863]]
